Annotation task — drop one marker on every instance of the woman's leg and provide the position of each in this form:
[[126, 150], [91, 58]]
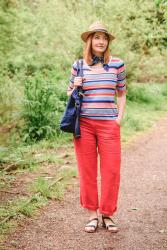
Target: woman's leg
[[108, 135], [86, 154]]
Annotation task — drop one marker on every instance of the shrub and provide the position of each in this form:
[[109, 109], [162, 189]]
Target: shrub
[[41, 109], [139, 93]]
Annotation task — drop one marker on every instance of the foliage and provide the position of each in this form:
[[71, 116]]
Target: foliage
[[42, 107], [40, 39]]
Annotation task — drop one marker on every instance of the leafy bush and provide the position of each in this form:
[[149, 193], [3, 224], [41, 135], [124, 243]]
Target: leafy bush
[[41, 109]]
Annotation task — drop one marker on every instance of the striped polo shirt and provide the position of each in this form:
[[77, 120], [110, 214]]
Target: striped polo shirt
[[100, 88]]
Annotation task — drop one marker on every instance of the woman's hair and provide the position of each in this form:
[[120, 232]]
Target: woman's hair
[[87, 51]]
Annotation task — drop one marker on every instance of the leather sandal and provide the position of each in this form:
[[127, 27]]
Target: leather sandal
[[110, 227], [94, 227]]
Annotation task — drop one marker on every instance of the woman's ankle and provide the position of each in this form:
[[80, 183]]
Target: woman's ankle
[[92, 214]]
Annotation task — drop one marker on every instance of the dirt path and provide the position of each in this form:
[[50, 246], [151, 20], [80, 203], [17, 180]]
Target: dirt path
[[142, 207]]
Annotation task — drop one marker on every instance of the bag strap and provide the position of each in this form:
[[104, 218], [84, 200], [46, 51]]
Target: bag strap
[[78, 101], [80, 67]]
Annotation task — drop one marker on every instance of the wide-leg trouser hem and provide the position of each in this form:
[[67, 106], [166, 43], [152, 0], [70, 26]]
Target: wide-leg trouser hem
[[107, 213], [90, 207]]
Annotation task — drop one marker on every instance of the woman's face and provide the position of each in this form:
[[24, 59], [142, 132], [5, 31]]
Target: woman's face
[[99, 43]]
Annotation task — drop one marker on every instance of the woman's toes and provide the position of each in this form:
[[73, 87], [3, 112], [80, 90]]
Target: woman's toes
[[91, 226]]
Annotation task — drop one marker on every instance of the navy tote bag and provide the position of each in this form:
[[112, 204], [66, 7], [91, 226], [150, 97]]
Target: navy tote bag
[[70, 121]]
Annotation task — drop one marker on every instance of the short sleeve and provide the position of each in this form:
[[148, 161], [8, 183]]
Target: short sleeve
[[121, 78], [72, 76]]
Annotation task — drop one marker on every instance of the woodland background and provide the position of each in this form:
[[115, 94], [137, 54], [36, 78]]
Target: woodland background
[[40, 39]]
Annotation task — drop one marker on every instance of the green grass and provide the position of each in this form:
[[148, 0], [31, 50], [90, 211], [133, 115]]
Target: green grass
[[138, 119], [146, 104], [17, 209], [31, 157], [53, 189], [40, 191]]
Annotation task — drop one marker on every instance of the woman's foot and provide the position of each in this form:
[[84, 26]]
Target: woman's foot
[[92, 225], [109, 224]]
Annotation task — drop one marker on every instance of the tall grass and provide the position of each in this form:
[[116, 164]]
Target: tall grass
[[146, 103]]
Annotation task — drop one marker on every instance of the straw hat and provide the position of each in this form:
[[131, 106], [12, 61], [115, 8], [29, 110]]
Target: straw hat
[[94, 27]]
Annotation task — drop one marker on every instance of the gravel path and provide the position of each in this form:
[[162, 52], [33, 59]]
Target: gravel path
[[142, 207]]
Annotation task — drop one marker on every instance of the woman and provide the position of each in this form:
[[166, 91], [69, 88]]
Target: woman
[[100, 119]]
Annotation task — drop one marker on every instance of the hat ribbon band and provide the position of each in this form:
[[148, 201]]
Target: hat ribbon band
[[103, 30]]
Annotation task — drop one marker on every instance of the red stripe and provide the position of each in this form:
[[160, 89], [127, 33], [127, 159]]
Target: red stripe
[[98, 105], [99, 86]]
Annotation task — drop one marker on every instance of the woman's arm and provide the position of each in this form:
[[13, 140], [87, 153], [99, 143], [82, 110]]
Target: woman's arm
[[121, 91], [69, 91], [78, 81], [74, 80], [121, 103]]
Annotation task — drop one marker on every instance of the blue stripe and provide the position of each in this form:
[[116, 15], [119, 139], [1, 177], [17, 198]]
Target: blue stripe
[[100, 90], [100, 81], [121, 80], [99, 111], [75, 68], [100, 116], [94, 98], [98, 108], [122, 64], [101, 74]]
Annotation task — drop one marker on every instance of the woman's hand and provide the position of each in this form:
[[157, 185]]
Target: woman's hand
[[121, 101], [78, 81], [118, 121]]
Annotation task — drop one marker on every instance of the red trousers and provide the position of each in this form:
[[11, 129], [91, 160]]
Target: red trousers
[[99, 137]]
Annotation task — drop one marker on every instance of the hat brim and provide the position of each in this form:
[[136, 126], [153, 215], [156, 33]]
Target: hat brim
[[85, 35]]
